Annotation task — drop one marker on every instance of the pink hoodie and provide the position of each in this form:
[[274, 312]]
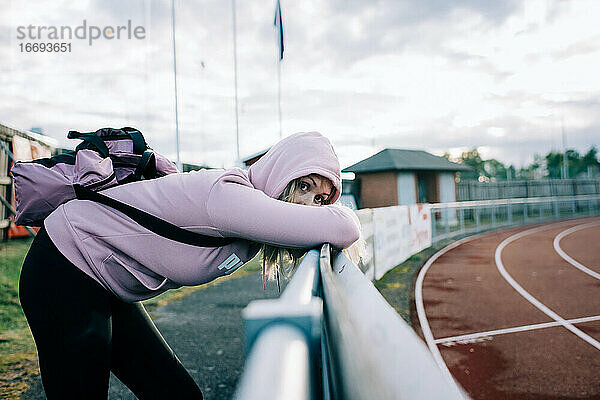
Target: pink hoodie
[[136, 264]]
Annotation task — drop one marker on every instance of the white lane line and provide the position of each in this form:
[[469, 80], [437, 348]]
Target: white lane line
[[538, 304], [425, 328], [568, 258], [423, 322], [523, 328]]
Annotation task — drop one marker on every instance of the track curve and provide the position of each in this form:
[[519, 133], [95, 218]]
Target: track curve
[[497, 342]]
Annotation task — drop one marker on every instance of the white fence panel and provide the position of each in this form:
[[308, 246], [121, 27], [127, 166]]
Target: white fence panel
[[420, 227], [392, 235]]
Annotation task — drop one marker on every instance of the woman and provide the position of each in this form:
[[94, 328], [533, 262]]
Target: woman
[[89, 267]]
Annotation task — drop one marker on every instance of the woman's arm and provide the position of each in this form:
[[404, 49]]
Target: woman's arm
[[239, 210]]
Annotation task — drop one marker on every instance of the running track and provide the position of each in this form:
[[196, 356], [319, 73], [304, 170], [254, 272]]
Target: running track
[[516, 314]]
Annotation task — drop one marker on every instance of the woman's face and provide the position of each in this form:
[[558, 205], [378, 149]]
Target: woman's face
[[313, 190]]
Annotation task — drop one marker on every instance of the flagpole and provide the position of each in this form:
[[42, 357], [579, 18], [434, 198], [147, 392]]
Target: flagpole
[[279, 95], [565, 171], [175, 82], [237, 133], [279, 25]]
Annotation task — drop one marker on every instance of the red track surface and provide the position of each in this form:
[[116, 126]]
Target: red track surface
[[464, 293]]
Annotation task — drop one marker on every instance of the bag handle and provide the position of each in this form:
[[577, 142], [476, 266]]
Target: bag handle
[[151, 222], [94, 140], [147, 166], [139, 144]]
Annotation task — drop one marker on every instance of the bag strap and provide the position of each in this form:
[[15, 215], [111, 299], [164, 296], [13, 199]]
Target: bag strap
[[152, 223]]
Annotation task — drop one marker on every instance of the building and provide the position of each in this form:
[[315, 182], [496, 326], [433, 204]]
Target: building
[[248, 161], [17, 145], [395, 176], [185, 167]]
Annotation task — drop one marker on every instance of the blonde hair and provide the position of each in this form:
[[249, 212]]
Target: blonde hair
[[280, 260], [283, 261]]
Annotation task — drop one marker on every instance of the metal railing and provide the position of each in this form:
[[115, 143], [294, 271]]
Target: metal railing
[[283, 340], [473, 190], [331, 335], [374, 353], [465, 217]]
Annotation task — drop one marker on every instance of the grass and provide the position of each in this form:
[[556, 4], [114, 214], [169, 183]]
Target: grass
[[17, 351], [18, 357], [396, 285], [11, 258]]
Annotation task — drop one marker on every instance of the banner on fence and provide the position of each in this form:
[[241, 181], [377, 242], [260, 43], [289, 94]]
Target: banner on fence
[[392, 237], [420, 222], [21, 149], [393, 234]]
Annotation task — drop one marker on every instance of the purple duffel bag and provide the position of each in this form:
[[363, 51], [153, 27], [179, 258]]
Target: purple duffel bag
[[105, 158]]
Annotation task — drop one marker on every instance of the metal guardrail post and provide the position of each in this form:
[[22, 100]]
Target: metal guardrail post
[[493, 211], [525, 212], [433, 223], [446, 224], [476, 219], [286, 377], [282, 335], [260, 314], [461, 215]]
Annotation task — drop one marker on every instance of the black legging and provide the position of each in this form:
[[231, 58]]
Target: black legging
[[82, 332]]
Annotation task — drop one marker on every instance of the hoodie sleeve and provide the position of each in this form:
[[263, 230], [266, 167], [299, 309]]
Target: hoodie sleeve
[[237, 209]]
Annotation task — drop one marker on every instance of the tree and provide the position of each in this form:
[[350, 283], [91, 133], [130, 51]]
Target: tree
[[554, 162], [548, 166], [495, 169], [578, 165], [590, 160], [472, 159], [511, 173]]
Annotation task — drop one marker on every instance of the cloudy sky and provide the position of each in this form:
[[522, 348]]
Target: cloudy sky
[[439, 75]]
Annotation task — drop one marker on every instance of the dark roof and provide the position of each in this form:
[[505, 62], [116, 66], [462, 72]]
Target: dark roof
[[255, 155], [398, 159], [186, 167]]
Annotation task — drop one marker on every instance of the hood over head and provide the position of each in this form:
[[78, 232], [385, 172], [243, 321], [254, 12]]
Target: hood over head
[[298, 155]]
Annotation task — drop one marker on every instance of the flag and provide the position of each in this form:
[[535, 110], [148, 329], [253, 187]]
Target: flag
[[278, 23]]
